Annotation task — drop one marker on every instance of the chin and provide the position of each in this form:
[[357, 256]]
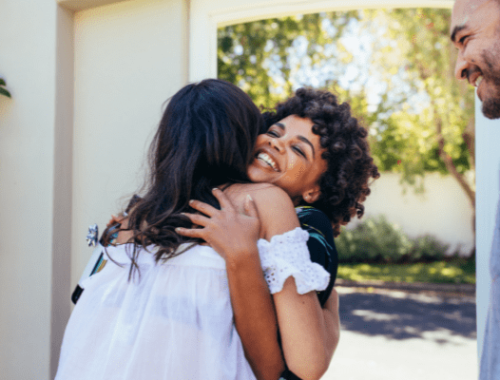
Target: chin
[[255, 175], [491, 108]]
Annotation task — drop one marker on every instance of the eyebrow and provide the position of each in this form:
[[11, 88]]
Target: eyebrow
[[457, 29], [300, 137]]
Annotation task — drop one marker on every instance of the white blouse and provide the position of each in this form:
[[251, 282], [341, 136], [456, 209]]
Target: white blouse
[[173, 321]]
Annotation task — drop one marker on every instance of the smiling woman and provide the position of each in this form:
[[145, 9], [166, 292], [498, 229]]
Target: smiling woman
[[315, 150], [289, 155]]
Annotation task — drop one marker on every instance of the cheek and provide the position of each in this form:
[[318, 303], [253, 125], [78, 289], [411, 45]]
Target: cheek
[[261, 140], [297, 171], [295, 165]]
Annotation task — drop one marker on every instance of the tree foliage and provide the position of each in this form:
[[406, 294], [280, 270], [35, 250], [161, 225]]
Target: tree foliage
[[394, 67], [3, 90], [435, 121], [260, 57]]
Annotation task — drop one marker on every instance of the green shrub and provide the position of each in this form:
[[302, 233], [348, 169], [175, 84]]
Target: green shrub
[[376, 240], [427, 248]]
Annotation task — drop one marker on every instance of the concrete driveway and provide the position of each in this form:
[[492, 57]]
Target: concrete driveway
[[396, 335]]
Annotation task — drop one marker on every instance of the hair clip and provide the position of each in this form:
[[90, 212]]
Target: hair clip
[[92, 235]]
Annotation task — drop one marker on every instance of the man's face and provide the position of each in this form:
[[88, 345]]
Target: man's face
[[475, 31]]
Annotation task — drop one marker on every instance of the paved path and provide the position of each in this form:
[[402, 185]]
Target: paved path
[[396, 335]]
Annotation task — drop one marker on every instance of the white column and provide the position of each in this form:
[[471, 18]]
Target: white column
[[487, 197], [27, 139]]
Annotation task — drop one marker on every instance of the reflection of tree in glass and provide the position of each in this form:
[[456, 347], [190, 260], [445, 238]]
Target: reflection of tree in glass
[[395, 67]]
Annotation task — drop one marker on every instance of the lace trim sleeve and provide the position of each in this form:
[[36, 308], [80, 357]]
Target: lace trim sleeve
[[287, 255]]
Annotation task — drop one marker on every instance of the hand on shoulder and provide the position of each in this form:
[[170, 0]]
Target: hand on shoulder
[[276, 210]]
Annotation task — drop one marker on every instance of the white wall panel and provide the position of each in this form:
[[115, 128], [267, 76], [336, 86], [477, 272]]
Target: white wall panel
[[130, 57], [442, 210], [27, 121]]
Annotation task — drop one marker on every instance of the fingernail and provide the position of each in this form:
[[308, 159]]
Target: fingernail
[[191, 201], [215, 188], [178, 229]]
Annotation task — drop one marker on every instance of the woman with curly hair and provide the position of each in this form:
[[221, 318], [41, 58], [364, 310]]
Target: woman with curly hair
[[313, 149], [344, 185]]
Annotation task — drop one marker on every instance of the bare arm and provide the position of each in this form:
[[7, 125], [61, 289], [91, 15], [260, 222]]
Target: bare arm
[[309, 333], [332, 321], [303, 328], [253, 309], [255, 317]]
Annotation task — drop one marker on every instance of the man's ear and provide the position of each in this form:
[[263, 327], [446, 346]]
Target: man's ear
[[311, 195]]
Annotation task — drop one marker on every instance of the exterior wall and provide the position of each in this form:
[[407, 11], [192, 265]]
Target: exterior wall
[[27, 134], [130, 57], [442, 210]]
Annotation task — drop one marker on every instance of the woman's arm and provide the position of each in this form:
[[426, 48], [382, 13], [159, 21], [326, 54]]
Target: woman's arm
[[303, 329], [234, 235], [332, 321], [308, 334]]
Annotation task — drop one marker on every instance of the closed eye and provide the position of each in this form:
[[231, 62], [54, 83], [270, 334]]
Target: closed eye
[[299, 151], [272, 133]]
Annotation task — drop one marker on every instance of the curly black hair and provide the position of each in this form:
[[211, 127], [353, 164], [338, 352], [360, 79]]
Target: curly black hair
[[345, 184]]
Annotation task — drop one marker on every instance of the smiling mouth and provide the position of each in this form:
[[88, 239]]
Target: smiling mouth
[[478, 81], [264, 157]]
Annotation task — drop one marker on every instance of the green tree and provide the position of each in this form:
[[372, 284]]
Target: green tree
[[259, 56], [440, 136], [394, 67]]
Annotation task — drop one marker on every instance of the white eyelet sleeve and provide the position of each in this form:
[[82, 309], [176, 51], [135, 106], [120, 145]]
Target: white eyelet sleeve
[[287, 255]]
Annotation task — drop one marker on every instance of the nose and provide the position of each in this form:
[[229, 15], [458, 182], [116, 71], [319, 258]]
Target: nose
[[461, 67], [277, 144]]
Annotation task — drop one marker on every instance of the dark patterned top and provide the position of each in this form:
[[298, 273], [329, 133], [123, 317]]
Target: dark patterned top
[[320, 244], [322, 250]]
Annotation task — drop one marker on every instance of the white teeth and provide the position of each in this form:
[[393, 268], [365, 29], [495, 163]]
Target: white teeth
[[268, 160], [478, 81]]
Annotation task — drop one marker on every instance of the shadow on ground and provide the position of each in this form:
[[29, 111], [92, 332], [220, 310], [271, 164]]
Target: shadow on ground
[[441, 320]]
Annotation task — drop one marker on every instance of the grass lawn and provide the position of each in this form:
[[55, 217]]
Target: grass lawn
[[458, 271]]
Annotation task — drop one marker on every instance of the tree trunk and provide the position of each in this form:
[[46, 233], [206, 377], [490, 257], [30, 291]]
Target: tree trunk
[[471, 194]]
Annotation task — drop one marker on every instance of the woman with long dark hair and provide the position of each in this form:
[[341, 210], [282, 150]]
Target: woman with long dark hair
[[161, 307]]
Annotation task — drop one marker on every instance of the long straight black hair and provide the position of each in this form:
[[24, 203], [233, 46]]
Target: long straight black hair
[[205, 139]]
